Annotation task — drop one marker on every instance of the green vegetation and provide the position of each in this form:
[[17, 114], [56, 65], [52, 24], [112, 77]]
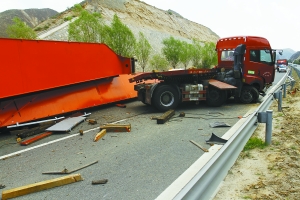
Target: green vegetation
[[185, 55], [87, 28], [20, 30], [159, 62], [172, 50], [254, 142], [196, 54], [142, 51], [209, 56], [120, 38]]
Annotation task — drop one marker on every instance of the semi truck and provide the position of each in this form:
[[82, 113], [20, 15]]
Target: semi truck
[[245, 70], [281, 62], [41, 79]]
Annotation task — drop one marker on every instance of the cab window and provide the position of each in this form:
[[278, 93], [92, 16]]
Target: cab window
[[227, 55], [260, 56]]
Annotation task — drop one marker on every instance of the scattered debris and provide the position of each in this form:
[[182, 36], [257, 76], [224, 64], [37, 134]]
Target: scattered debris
[[2, 186], [27, 132], [182, 114], [215, 140], [198, 145], [81, 132], [66, 124], [44, 185], [218, 124], [101, 181], [36, 138], [19, 139], [121, 105], [65, 171], [165, 117], [116, 127], [92, 121], [99, 135]]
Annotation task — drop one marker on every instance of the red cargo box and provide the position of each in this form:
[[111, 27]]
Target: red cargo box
[[36, 65]]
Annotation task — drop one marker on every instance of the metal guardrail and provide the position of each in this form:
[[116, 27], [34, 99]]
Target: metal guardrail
[[203, 178]]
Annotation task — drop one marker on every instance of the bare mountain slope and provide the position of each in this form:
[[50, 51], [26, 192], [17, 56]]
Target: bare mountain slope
[[156, 24], [31, 17]]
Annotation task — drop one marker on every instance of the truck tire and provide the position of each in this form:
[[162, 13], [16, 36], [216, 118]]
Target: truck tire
[[165, 97], [215, 97], [249, 94]]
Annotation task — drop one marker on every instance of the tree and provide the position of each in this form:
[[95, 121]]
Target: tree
[[209, 55], [143, 49], [158, 62], [20, 30], [185, 53], [120, 38], [89, 27], [196, 54], [171, 51]]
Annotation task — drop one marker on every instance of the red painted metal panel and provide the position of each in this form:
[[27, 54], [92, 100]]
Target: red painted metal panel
[[65, 99], [221, 85], [36, 65]]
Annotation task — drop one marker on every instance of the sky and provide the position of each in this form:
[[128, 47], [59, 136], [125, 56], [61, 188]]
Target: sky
[[276, 20]]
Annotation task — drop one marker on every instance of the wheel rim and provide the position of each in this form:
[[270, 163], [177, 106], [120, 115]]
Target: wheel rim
[[214, 95], [246, 96], [167, 98]]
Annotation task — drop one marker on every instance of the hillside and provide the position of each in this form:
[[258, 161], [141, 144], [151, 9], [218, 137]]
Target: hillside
[[295, 56], [154, 23], [32, 17], [286, 54]]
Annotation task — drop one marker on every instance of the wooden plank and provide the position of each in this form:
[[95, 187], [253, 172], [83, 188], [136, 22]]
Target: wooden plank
[[100, 135], [44, 185], [36, 138], [116, 127], [66, 171], [198, 145], [165, 117], [221, 85]]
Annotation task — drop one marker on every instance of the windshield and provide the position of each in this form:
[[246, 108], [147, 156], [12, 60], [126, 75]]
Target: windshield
[[260, 56]]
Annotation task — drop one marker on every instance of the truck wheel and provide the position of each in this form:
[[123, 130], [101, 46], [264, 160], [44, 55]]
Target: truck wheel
[[165, 97], [249, 94], [215, 97]]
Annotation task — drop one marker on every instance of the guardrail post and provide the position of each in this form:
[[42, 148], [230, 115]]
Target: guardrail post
[[292, 84], [278, 95], [284, 90], [266, 117]]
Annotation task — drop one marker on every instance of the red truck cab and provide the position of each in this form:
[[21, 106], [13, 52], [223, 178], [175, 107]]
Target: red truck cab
[[258, 63]]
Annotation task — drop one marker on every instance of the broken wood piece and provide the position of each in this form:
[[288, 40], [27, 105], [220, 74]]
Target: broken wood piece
[[92, 121], [81, 132], [121, 105], [165, 117], [182, 114], [44, 185], [100, 135], [101, 181], [65, 171], [36, 138], [198, 145], [116, 127]]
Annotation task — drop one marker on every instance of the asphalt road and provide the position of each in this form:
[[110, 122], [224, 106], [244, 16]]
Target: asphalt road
[[138, 165]]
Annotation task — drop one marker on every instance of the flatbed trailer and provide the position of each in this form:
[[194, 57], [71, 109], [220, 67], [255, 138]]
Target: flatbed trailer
[[173, 87]]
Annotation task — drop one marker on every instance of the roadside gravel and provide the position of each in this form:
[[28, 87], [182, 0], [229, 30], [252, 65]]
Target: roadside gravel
[[272, 172]]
